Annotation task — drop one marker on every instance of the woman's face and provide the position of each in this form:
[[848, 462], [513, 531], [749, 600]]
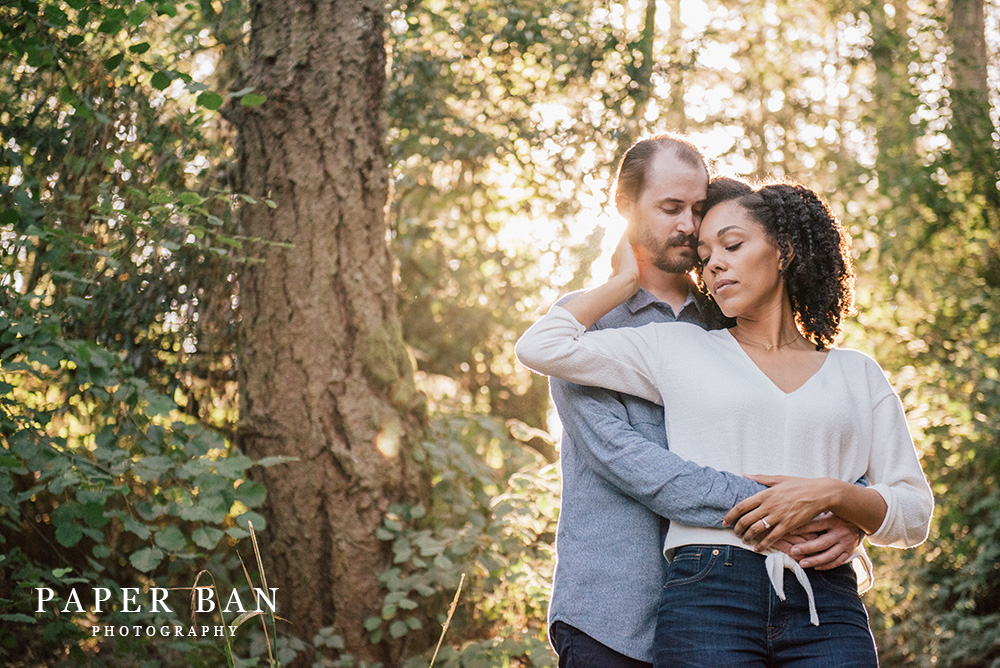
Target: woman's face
[[740, 262]]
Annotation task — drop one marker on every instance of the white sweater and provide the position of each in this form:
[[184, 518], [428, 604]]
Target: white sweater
[[722, 411]]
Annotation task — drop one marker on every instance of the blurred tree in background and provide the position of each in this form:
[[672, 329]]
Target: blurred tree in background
[[124, 261]]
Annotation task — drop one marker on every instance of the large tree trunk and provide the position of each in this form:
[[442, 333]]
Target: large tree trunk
[[324, 373], [971, 126], [895, 102]]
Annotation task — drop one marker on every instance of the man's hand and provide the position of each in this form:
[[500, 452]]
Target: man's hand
[[827, 542], [787, 504]]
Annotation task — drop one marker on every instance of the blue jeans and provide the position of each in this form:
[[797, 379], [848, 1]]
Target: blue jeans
[[576, 649], [718, 609]]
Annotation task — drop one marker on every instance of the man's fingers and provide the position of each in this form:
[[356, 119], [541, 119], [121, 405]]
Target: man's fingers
[[832, 558], [819, 544]]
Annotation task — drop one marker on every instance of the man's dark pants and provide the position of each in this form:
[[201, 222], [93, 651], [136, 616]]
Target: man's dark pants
[[578, 650]]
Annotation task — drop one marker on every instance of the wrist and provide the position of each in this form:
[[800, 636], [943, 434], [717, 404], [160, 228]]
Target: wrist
[[627, 282], [837, 496]]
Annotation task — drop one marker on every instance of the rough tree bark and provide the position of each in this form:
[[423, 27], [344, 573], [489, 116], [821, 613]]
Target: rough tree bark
[[324, 374], [971, 126]]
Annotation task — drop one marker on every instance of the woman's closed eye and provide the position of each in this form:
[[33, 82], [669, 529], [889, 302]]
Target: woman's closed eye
[[734, 247]]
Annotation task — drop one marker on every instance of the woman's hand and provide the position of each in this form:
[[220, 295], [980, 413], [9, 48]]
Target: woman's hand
[[623, 260], [592, 305], [787, 504]]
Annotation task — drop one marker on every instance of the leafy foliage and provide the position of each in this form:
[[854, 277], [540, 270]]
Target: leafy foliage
[[120, 257]]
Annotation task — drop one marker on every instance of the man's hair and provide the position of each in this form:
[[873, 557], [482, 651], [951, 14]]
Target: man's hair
[[815, 250], [635, 163]]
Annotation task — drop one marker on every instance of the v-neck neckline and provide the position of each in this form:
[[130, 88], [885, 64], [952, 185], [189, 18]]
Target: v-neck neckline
[[771, 382]]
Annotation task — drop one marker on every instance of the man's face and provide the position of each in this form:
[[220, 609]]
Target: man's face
[[663, 220]]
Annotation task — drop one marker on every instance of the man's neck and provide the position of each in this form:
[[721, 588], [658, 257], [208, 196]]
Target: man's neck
[[670, 288]]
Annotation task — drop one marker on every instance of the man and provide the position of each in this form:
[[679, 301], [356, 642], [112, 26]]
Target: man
[[618, 477]]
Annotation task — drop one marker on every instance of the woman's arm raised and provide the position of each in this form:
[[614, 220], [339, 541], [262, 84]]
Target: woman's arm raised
[[615, 359], [594, 304]]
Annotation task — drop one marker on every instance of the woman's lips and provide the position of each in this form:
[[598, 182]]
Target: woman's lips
[[723, 285]]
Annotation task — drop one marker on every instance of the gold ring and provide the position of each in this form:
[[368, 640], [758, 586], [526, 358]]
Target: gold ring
[[766, 525]]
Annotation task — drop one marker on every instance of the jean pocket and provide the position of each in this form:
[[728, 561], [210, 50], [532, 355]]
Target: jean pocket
[[841, 580], [690, 566]]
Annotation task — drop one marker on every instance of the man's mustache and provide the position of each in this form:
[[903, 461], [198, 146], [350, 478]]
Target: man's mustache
[[683, 240]]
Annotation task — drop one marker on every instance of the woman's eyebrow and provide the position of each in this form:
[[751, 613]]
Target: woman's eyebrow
[[721, 232]]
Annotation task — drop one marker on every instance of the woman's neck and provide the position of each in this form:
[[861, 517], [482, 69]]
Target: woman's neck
[[772, 330]]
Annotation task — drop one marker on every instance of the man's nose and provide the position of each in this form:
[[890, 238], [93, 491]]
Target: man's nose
[[687, 223]]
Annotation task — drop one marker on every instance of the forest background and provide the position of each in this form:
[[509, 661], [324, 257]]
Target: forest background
[[264, 263]]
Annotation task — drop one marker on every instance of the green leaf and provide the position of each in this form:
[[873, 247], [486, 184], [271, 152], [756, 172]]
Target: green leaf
[[78, 302], [171, 539], [114, 61], [372, 623], [191, 198], [160, 81], [17, 617], [251, 493], [110, 27], [68, 535], [271, 461], [147, 559], [56, 16], [140, 48], [213, 101], [253, 100], [166, 8], [148, 469], [206, 537], [93, 513], [398, 629], [133, 526], [244, 520]]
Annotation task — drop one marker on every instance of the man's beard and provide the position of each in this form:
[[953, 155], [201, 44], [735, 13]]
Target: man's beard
[[659, 251]]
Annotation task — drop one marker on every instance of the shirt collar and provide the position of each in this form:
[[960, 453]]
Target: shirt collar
[[644, 298]]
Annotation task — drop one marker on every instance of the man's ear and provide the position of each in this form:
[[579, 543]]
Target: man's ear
[[624, 205]]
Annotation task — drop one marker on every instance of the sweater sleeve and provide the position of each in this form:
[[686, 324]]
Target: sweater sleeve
[[895, 473], [597, 423], [615, 359]]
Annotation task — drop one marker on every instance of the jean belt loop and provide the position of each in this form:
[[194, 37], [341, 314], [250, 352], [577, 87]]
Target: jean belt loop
[[729, 556]]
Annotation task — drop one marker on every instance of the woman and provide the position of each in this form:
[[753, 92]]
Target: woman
[[768, 396]]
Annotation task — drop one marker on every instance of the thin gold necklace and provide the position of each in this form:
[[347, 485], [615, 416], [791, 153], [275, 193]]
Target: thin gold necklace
[[768, 347]]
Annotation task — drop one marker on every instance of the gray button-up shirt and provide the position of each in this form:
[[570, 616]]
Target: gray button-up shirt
[[618, 481]]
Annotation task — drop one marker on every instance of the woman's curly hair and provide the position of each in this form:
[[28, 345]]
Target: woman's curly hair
[[814, 247]]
